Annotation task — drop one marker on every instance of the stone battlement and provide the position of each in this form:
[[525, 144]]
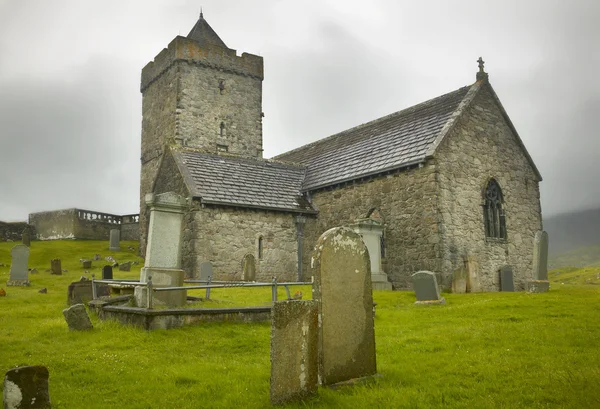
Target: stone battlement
[[211, 56]]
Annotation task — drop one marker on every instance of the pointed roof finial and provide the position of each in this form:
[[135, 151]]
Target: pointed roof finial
[[201, 15], [481, 74]]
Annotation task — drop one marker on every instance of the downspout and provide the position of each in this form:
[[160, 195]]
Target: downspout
[[300, 220]]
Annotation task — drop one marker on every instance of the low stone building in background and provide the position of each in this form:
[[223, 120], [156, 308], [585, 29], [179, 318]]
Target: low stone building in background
[[448, 180]]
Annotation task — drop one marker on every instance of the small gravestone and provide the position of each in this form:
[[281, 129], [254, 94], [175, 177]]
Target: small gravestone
[[249, 267], [107, 273], [26, 237], [125, 266], [459, 280], [506, 279], [87, 264], [55, 267], [34, 271], [26, 387], [97, 257], [115, 237], [342, 287], [77, 318], [294, 350], [43, 290], [426, 288], [19, 273], [79, 292], [540, 283], [206, 270]]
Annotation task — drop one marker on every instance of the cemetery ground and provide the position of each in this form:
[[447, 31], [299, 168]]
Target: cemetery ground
[[481, 350]]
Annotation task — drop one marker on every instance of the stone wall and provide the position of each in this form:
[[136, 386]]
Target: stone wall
[[53, 225], [406, 201], [480, 147], [223, 235], [13, 230]]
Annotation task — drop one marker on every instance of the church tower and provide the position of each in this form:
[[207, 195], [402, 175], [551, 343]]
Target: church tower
[[200, 94]]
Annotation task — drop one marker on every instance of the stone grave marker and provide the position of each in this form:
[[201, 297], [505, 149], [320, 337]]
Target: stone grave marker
[[19, 273], [115, 238], [249, 267], [77, 318], [426, 288], [294, 350], [342, 287], [125, 266], [26, 237], [540, 282], [205, 270], [87, 264], [55, 267], [26, 387], [97, 257], [506, 279], [107, 273]]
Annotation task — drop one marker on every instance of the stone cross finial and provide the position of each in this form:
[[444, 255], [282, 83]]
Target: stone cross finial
[[481, 74], [481, 62]]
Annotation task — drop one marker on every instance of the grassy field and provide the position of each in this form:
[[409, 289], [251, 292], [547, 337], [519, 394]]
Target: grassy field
[[486, 350]]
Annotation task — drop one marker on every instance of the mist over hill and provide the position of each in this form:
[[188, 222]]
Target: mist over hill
[[573, 231]]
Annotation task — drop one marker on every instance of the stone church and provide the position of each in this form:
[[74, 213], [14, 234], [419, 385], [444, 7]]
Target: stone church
[[446, 185]]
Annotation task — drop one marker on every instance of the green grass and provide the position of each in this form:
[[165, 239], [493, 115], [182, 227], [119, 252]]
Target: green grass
[[486, 350]]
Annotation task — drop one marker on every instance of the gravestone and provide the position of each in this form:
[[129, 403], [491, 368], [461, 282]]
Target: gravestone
[[26, 237], [206, 270], [249, 267], [26, 387], [19, 272], [342, 287], [294, 350], [107, 273], [540, 282], [77, 318], [163, 251], [426, 288], [55, 267], [97, 257], [115, 237], [87, 264], [79, 292], [506, 279], [125, 266], [371, 232]]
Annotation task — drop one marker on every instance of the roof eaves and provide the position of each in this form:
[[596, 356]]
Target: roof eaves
[[275, 208]]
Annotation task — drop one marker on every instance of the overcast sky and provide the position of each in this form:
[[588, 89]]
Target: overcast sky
[[70, 106]]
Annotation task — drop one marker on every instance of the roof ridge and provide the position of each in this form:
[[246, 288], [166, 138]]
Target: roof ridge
[[407, 110]]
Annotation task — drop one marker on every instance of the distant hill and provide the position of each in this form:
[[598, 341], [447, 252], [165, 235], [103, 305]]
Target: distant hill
[[571, 231]]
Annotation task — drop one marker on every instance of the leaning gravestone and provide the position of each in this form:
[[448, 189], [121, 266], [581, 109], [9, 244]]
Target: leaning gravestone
[[506, 279], [55, 266], [107, 273], [26, 237], [342, 287], [294, 350], [249, 267], [77, 318], [19, 273], [205, 270], [540, 283], [115, 237], [26, 387], [125, 266], [426, 288]]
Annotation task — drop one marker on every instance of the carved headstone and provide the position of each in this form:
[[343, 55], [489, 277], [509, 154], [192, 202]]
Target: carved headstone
[[55, 267], [506, 279], [77, 318], [26, 387], [342, 286], [205, 270], [426, 288], [107, 273], [294, 350], [26, 237], [115, 238], [19, 272], [371, 232], [249, 267]]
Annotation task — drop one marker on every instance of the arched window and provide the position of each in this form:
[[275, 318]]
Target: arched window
[[493, 213]]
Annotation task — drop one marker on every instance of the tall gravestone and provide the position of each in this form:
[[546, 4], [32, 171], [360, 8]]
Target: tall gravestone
[[426, 288], [540, 282], [26, 237], [506, 279], [163, 251], [114, 241], [55, 266], [342, 287], [249, 267], [205, 270], [19, 272], [294, 350], [26, 387], [371, 232]]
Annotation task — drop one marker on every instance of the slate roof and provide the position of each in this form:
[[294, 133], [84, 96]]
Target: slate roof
[[203, 33], [387, 143], [243, 182]]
